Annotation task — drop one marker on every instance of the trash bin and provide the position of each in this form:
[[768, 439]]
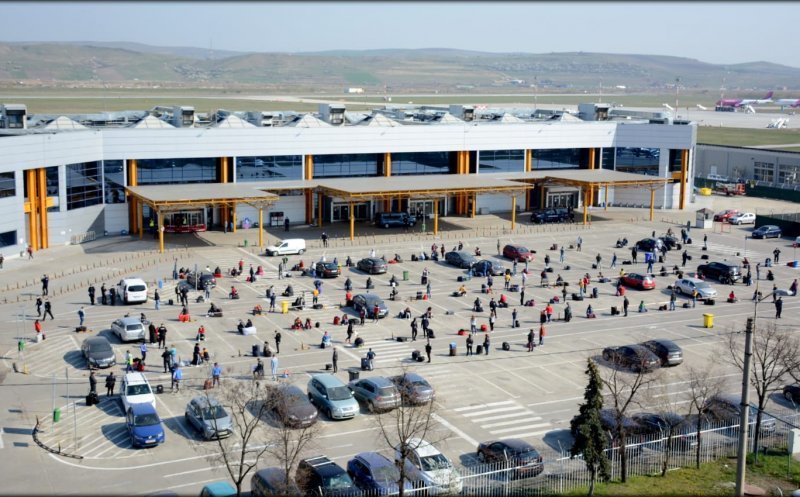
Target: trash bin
[[352, 374], [284, 307], [56, 415], [452, 349], [255, 350], [405, 275], [708, 320]]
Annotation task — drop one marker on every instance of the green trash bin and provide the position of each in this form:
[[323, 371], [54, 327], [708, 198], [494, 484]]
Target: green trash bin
[[56, 415], [405, 275], [245, 243]]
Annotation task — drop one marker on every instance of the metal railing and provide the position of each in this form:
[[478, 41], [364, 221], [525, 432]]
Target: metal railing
[[89, 236]]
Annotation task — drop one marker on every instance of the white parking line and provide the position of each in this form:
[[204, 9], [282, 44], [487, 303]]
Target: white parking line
[[517, 428], [490, 411], [513, 422], [455, 430], [481, 406]]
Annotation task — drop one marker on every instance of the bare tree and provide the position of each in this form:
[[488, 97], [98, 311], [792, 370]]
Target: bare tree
[[703, 384], [668, 420], [624, 387], [776, 355]]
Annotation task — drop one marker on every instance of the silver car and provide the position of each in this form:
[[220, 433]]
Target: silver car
[[377, 392], [208, 416], [686, 286], [128, 329]]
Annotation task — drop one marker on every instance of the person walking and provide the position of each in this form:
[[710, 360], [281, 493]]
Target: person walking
[[625, 304], [37, 326], [598, 258], [428, 350], [81, 316], [492, 307], [425, 322], [414, 330], [778, 307], [46, 284], [30, 252], [531, 337], [371, 359], [166, 356], [39, 303], [162, 336], [48, 309], [177, 376], [273, 366], [486, 344], [561, 255], [157, 299], [111, 381], [143, 351], [469, 344], [541, 334], [614, 260], [128, 361], [92, 383], [91, 295], [216, 372], [277, 342], [684, 257]]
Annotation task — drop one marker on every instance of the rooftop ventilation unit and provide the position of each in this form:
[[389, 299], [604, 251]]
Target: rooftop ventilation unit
[[14, 116], [332, 114]]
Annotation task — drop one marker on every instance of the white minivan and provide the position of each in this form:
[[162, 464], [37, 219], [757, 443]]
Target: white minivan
[[289, 246], [428, 467], [132, 291]]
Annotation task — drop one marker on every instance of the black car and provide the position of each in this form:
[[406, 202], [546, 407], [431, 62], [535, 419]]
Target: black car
[[669, 241], [394, 219], [767, 231], [792, 393], [204, 279], [608, 421], [651, 425], [372, 265], [545, 216], [485, 267], [462, 259], [321, 477], [648, 245], [723, 272], [635, 357], [726, 409], [327, 270], [367, 301], [98, 352], [514, 451], [666, 350], [290, 406]]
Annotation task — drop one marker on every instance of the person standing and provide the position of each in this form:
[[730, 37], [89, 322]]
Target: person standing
[[362, 315], [91, 295], [143, 351], [128, 361], [634, 254], [39, 306], [672, 299], [2, 258], [777, 254], [598, 258], [324, 237], [273, 364], [425, 322], [111, 381], [428, 290], [371, 359], [103, 294], [48, 309], [335, 360], [522, 296], [694, 298], [514, 318], [151, 329], [473, 325], [46, 284], [157, 299], [413, 330], [112, 295], [469, 344], [778, 307], [207, 290], [492, 320], [286, 224], [162, 336], [196, 355], [625, 304], [166, 356], [705, 242], [277, 342], [92, 383], [37, 326], [177, 376], [684, 257], [486, 344], [578, 243], [30, 252], [216, 372], [531, 337], [81, 316], [376, 311], [541, 334], [428, 350], [561, 255], [498, 246]]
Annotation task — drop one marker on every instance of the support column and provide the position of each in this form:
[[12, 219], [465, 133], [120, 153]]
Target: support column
[[684, 170], [513, 212], [320, 197], [652, 202], [233, 217], [474, 204], [140, 216], [309, 198], [160, 231], [42, 198], [352, 221], [33, 202], [542, 195], [592, 158], [133, 180], [387, 171], [585, 206], [260, 226], [223, 178], [436, 216], [605, 200], [528, 192]]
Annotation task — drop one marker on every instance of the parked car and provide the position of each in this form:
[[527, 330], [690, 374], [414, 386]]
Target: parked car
[[767, 231], [743, 218], [427, 466], [514, 452], [634, 357], [725, 215], [413, 388], [98, 352], [639, 281], [394, 219], [218, 489], [651, 424], [518, 253], [332, 396], [724, 272], [376, 392], [144, 425], [649, 244], [546, 216], [320, 477], [608, 422], [726, 409], [270, 482], [667, 351], [669, 241], [288, 246], [327, 269], [132, 291], [372, 265], [207, 415], [376, 474], [129, 329], [485, 267], [202, 280], [290, 406], [462, 259], [792, 393], [685, 286], [367, 301], [136, 390]]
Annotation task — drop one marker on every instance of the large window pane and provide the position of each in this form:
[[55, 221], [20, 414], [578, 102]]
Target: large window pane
[[176, 171], [8, 185], [638, 160], [502, 161], [268, 168], [8, 238], [51, 174], [566, 158], [114, 180], [345, 165], [420, 163], [84, 187], [608, 158]]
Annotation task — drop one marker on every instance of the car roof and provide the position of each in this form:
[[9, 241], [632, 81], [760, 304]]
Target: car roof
[[379, 381], [409, 376], [130, 320], [203, 401], [328, 380], [374, 459], [422, 447], [97, 340], [515, 444], [132, 280], [374, 259], [665, 342], [135, 378], [517, 247], [139, 408], [370, 298]]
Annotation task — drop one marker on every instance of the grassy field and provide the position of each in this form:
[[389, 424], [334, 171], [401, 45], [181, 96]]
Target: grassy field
[[741, 137]]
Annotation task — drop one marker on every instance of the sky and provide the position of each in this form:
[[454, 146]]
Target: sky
[[714, 32]]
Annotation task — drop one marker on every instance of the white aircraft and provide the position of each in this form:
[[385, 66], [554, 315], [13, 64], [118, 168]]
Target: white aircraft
[[701, 107], [788, 102], [668, 106]]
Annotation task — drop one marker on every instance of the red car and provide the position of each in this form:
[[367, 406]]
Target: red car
[[725, 215], [640, 281], [518, 253]]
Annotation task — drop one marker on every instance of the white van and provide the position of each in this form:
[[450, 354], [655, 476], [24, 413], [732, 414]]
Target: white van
[[427, 466], [132, 291], [289, 246]]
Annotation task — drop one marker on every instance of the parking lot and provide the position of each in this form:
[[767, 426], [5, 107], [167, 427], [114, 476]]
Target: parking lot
[[502, 394]]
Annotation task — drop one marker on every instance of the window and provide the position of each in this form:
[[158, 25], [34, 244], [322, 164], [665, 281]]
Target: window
[[638, 160], [500, 161], [420, 163], [345, 165], [568, 158], [8, 185], [8, 238], [674, 160], [787, 174], [84, 187], [764, 171], [176, 171], [269, 168], [114, 180], [608, 155]]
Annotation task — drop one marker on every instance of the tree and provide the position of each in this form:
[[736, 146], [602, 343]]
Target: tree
[[623, 389], [590, 438], [668, 420], [775, 356], [703, 385]]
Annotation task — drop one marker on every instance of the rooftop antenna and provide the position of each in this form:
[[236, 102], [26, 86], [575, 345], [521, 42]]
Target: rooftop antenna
[[600, 94], [677, 90]]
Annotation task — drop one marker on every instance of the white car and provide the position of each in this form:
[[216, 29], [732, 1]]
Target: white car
[[430, 468], [686, 286], [128, 329], [743, 218], [132, 291], [136, 390], [288, 246]]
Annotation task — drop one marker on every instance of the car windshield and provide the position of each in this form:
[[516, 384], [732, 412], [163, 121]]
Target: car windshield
[[420, 384], [149, 419], [434, 462], [339, 393], [136, 288], [386, 473], [214, 412], [386, 391], [133, 327], [526, 455], [329, 265], [99, 347], [142, 389], [339, 482]]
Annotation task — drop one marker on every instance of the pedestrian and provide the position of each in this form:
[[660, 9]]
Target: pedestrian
[[166, 356], [46, 283], [531, 336], [614, 260], [177, 376], [103, 294], [2, 258], [492, 320], [705, 241], [350, 331], [486, 344], [196, 355], [143, 351], [92, 383], [286, 224], [162, 336], [39, 306], [324, 237], [524, 278], [634, 254], [498, 246], [273, 365], [91, 295], [111, 380], [473, 325], [252, 273], [684, 257], [371, 359], [758, 271], [598, 258], [48, 309], [625, 304], [428, 350], [207, 290], [30, 252], [469, 344], [277, 342], [778, 307], [672, 299], [37, 326], [81, 316], [694, 298], [413, 331], [375, 313], [112, 295], [216, 372], [514, 268], [428, 290], [514, 318], [777, 254], [362, 315], [425, 322], [541, 334], [561, 255], [578, 243], [492, 307], [153, 332], [335, 360], [128, 361]]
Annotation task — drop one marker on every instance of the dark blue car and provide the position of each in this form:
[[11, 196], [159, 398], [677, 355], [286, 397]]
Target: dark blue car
[[144, 425], [375, 473]]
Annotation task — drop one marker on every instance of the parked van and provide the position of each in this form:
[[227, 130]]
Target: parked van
[[289, 246], [269, 482], [132, 291]]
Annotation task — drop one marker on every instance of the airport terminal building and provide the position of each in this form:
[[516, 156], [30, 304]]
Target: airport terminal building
[[62, 177]]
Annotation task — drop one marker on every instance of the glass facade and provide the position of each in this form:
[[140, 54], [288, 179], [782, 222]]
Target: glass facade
[[764, 171], [638, 160], [420, 163], [8, 238], [51, 174], [787, 174], [114, 181], [84, 185], [346, 165], [502, 161], [8, 185], [176, 171], [566, 158], [608, 158], [269, 168], [674, 161]]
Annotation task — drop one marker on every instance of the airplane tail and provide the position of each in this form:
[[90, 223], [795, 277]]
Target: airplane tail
[[769, 95]]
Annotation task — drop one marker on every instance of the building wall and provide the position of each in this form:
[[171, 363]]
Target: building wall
[[729, 161], [64, 225]]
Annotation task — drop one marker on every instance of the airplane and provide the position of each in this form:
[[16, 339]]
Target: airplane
[[788, 102], [741, 102], [701, 107]]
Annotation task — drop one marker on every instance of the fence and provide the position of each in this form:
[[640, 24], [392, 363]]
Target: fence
[[89, 236]]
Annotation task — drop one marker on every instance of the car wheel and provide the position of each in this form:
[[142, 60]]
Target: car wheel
[[788, 396], [300, 252], [371, 407], [329, 413]]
